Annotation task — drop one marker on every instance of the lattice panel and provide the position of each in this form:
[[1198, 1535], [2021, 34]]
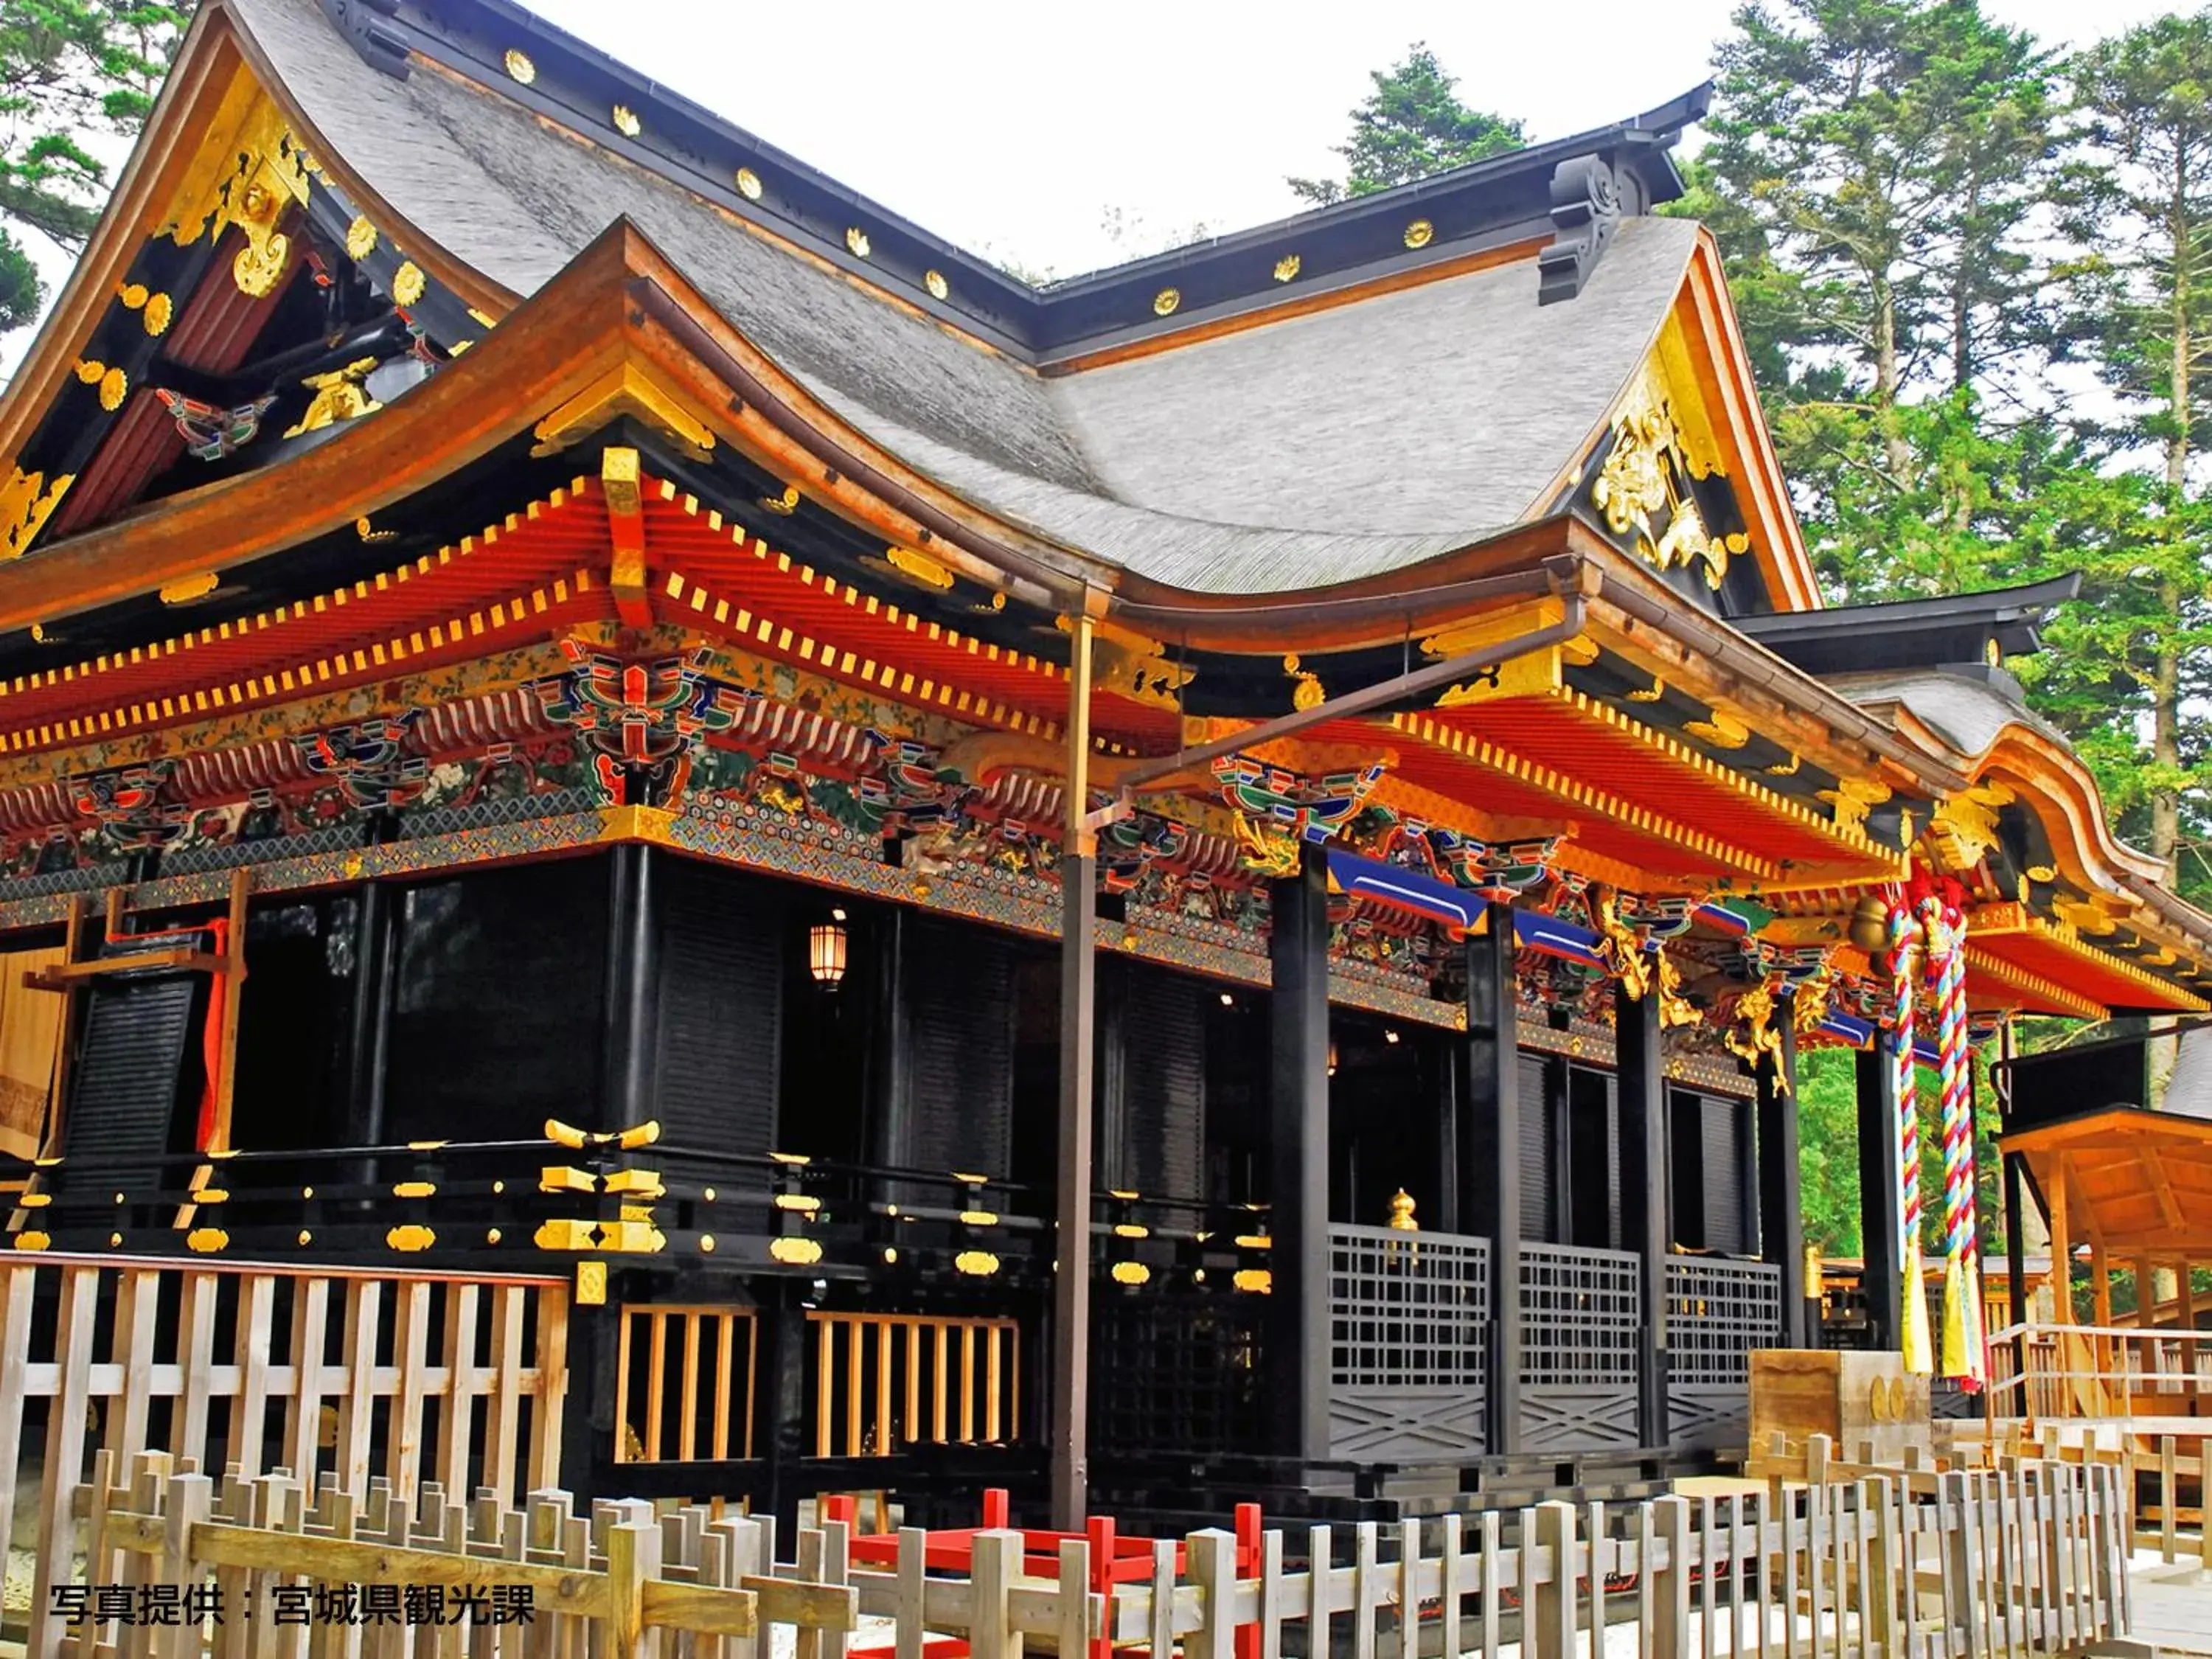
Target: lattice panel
[[1176, 1374], [1576, 1419], [1580, 1314], [1717, 1312], [1407, 1309], [1409, 1337], [1703, 1418]]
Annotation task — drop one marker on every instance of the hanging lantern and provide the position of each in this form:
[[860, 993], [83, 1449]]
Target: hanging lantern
[[825, 953]]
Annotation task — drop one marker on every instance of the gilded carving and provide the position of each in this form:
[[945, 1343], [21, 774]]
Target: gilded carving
[[1646, 476], [1964, 828], [339, 396], [114, 384], [1755, 1036], [27, 501], [1721, 731], [407, 284], [1286, 267], [360, 239], [1852, 799]]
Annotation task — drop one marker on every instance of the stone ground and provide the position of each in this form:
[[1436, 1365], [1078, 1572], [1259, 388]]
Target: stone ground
[[2174, 1606]]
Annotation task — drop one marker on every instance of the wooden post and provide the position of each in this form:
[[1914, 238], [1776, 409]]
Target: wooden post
[[1489, 1174], [1645, 1224], [1781, 1211], [1551, 1620], [2017, 1253], [1881, 1195], [2100, 1278], [233, 993], [629, 1035], [1078, 925], [1297, 1353], [2061, 1248]]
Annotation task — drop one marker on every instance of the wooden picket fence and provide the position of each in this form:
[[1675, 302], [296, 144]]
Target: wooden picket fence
[[252, 1367], [2012, 1561]]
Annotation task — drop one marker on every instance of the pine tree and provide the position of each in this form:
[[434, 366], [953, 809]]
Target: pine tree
[[1413, 124], [71, 70], [1876, 169], [2142, 200]]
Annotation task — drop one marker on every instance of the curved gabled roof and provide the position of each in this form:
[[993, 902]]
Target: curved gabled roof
[[1332, 446]]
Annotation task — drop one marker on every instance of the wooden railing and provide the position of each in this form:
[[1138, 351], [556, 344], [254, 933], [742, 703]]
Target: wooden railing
[[2060, 1372], [197, 1359], [882, 1381], [1955, 1564], [706, 1408]]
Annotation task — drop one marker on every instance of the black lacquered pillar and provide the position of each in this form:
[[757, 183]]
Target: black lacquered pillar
[[1645, 1224], [1298, 1306], [1489, 1145]]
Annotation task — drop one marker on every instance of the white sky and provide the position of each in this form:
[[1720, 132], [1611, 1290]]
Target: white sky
[[1011, 129]]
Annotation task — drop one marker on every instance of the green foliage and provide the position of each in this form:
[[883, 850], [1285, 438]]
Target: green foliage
[[69, 71], [1411, 125], [1928, 219], [1828, 1157]]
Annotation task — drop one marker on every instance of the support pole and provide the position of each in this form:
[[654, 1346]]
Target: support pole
[[1298, 1345], [1646, 1225], [631, 971], [368, 1034], [1781, 1212], [1079, 911], [1489, 1170], [2061, 1252], [2017, 1253], [1881, 1189]]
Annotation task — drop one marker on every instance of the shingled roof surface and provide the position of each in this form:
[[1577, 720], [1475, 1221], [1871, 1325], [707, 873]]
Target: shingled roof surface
[[1340, 444]]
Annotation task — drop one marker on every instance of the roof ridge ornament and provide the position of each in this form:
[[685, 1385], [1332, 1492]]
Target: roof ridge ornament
[[1585, 209], [380, 47]]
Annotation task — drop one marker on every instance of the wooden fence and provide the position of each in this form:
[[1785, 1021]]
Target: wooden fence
[[2008, 1561], [251, 1367]]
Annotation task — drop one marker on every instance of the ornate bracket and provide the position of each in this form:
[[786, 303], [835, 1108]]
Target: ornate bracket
[[1585, 209]]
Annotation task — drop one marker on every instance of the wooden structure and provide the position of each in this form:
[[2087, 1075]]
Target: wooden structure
[[274, 1367], [2029, 1558], [961, 859], [1859, 1399]]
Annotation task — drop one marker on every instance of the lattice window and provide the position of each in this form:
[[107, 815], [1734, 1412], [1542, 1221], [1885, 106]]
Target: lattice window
[[1176, 1374], [1717, 1312], [1407, 1309], [1581, 1312]]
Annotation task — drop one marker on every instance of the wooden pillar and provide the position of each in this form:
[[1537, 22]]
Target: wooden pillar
[[632, 941], [1078, 926], [2147, 1296], [2100, 1279], [1646, 1226], [1298, 1345], [890, 1132], [2015, 1206], [2061, 1248], [1444, 1063], [1489, 1169], [1881, 1194], [368, 1033], [1781, 1211]]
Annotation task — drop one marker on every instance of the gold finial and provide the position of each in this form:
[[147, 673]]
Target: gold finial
[[1401, 1213]]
